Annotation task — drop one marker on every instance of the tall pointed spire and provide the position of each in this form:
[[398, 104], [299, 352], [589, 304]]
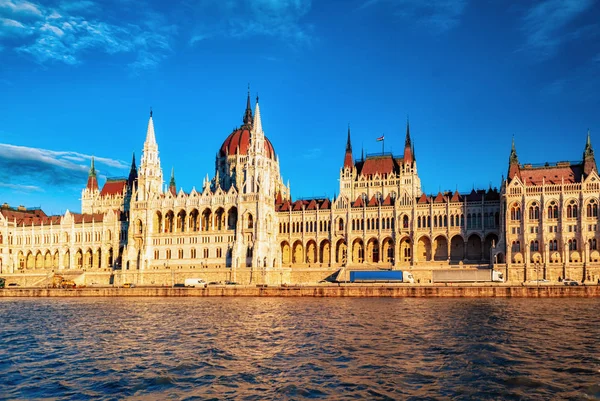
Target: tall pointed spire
[[248, 112], [408, 154], [172, 185], [513, 153], [589, 161], [92, 182], [132, 172], [150, 177], [257, 121], [150, 138], [407, 141], [513, 162], [348, 156]]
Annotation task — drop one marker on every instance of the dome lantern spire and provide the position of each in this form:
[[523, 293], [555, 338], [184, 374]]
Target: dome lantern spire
[[248, 119]]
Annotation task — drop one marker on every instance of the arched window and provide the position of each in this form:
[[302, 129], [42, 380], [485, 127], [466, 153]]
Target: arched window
[[405, 221], [250, 221], [572, 209], [593, 244], [516, 246], [534, 211], [572, 245], [553, 210], [515, 212], [341, 224], [534, 246], [592, 208]]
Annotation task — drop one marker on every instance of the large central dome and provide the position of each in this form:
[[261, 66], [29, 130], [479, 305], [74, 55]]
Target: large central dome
[[240, 138]]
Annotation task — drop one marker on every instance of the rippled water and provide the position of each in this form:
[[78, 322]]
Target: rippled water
[[279, 348]]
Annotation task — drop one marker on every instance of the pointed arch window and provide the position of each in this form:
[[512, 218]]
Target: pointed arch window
[[515, 212], [534, 211], [553, 210], [592, 208]]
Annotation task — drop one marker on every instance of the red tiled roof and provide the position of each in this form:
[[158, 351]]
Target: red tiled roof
[[87, 218], [439, 198], [373, 201], [37, 217], [378, 164], [326, 204], [298, 205], [113, 187], [475, 196], [552, 174], [387, 201], [456, 197], [358, 202], [312, 205], [423, 199], [241, 137]]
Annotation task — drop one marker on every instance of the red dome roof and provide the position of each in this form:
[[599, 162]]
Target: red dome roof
[[241, 138]]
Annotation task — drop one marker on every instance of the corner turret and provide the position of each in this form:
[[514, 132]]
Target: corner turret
[[589, 161], [172, 186], [92, 182], [513, 162]]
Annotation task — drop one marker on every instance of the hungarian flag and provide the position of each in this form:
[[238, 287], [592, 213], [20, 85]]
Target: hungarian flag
[[380, 138]]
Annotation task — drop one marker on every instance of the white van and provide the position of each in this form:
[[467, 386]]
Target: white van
[[195, 282]]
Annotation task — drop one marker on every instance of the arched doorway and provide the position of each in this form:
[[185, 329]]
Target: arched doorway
[[441, 248], [474, 247], [424, 249], [457, 248]]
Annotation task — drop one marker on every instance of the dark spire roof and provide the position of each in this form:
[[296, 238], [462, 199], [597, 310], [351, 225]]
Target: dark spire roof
[[92, 182], [248, 119], [513, 162], [348, 163], [513, 153], [407, 142], [408, 153], [589, 161], [132, 172], [172, 186]]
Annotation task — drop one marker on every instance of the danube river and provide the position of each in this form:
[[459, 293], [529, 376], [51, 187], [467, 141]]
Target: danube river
[[300, 348]]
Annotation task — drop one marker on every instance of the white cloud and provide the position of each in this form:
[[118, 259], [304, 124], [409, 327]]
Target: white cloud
[[438, 16], [281, 19], [65, 34], [546, 24], [20, 7], [11, 23], [18, 187]]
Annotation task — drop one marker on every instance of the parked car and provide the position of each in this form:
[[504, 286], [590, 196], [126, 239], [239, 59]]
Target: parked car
[[13, 285], [568, 281], [128, 285]]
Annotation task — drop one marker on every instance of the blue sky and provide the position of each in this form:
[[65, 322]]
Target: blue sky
[[78, 79]]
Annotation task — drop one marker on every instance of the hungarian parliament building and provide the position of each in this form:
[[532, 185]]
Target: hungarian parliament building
[[541, 223]]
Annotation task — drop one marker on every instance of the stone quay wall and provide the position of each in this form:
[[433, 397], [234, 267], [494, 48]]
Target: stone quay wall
[[343, 290]]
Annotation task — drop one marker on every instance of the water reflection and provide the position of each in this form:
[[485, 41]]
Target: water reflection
[[278, 348]]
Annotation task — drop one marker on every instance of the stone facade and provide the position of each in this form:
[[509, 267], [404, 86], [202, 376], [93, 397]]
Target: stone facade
[[243, 225]]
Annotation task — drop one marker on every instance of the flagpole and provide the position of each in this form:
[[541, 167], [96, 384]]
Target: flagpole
[[383, 145]]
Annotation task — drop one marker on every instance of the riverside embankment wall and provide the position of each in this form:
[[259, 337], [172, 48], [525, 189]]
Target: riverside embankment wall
[[397, 291]]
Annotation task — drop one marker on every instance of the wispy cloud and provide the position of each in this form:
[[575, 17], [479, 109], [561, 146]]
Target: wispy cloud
[[281, 19], [313, 153], [438, 16], [549, 24], [18, 187], [67, 32], [25, 167]]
